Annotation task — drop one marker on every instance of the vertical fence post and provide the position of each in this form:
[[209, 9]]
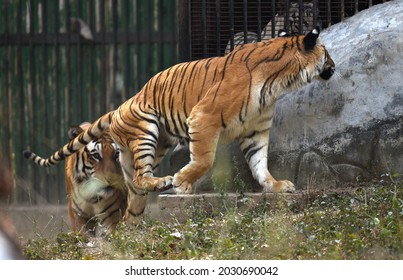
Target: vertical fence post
[[218, 27], [6, 143], [184, 30], [245, 21], [18, 127], [104, 101], [127, 57], [259, 20], [231, 23], [115, 100]]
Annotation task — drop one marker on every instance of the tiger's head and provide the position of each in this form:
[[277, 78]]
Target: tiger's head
[[312, 44], [96, 166], [95, 184], [300, 58]]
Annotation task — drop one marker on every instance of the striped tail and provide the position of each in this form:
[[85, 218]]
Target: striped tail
[[93, 132]]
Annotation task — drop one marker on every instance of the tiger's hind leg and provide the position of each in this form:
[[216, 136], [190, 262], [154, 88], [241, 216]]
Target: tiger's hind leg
[[204, 132], [255, 149]]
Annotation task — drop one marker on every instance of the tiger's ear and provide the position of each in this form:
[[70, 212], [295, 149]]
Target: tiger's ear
[[310, 38], [282, 33], [74, 131]]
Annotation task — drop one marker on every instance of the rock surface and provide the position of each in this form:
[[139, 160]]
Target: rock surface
[[346, 130]]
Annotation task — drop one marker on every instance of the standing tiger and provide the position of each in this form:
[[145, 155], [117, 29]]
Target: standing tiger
[[96, 192], [203, 102], [306, 20]]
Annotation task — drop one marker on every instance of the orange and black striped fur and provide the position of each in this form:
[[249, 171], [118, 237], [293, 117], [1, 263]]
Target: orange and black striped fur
[[204, 102], [96, 192]]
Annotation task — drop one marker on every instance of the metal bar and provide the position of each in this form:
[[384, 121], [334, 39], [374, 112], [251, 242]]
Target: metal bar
[[204, 29], [114, 100], [137, 62], [172, 37], [218, 27], [329, 13], [259, 20], [315, 13], [149, 45], [46, 98], [160, 46], [68, 65], [18, 128], [79, 66], [93, 107], [286, 18], [301, 17], [36, 104], [245, 21], [104, 100], [59, 104], [273, 18], [184, 27], [127, 49], [7, 148], [231, 23], [341, 9]]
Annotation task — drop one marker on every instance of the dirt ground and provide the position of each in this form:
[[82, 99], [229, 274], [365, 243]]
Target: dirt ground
[[38, 220], [47, 220]]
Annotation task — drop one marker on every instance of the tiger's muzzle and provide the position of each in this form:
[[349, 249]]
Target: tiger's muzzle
[[328, 68], [327, 72]]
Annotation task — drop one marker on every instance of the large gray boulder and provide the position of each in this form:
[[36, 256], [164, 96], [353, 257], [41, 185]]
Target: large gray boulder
[[346, 130], [350, 128]]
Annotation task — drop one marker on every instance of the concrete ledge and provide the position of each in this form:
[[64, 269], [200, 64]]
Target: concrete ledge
[[181, 207]]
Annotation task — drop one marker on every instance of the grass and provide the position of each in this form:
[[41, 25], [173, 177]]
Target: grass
[[366, 223]]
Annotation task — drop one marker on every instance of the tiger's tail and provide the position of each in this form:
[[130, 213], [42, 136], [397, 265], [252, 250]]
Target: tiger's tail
[[92, 132]]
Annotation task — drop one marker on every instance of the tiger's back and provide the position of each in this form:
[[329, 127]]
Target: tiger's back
[[230, 91], [95, 186]]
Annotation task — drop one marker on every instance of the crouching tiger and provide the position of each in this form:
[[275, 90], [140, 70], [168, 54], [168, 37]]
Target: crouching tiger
[[204, 102], [96, 192]]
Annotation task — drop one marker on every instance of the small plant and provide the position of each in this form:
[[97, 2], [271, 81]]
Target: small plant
[[66, 246]]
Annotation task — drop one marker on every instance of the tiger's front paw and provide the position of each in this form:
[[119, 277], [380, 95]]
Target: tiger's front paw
[[183, 187], [153, 184], [165, 184], [279, 186]]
